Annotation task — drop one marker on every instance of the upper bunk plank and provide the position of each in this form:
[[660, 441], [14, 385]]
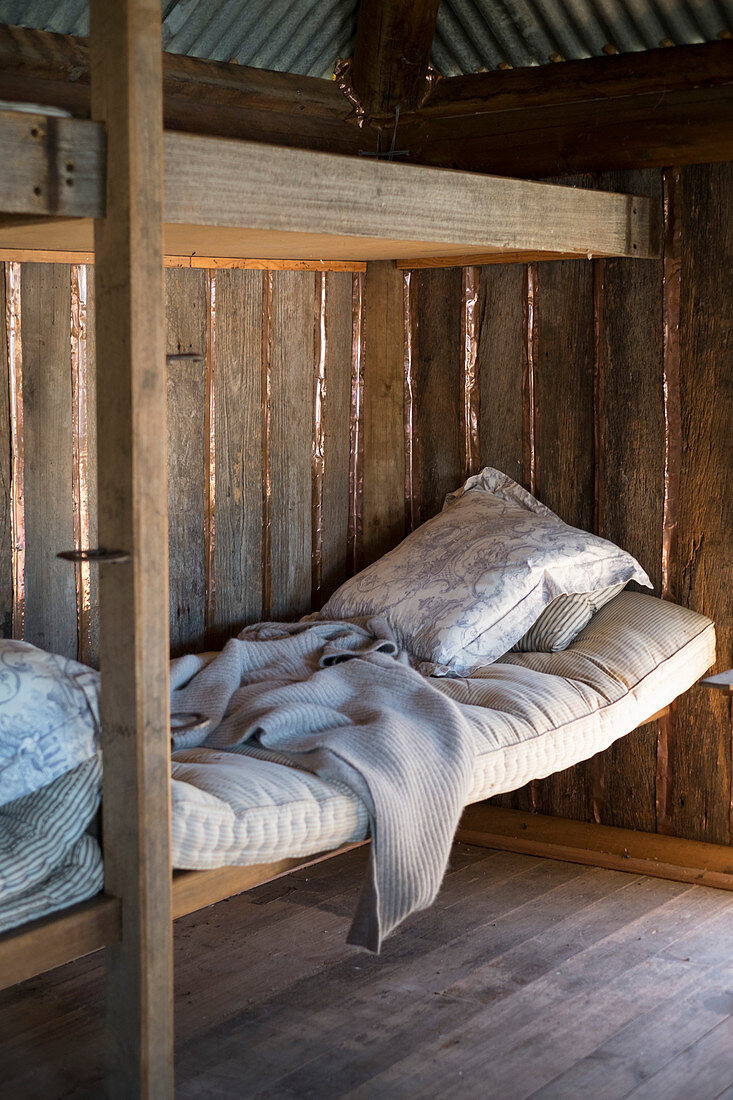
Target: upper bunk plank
[[564, 399], [631, 471], [290, 203], [336, 423], [291, 434], [701, 753], [186, 305], [50, 584], [238, 455], [6, 527], [438, 412], [383, 504], [499, 364]]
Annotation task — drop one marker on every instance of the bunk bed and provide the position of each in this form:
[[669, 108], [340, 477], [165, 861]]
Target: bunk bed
[[120, 187]]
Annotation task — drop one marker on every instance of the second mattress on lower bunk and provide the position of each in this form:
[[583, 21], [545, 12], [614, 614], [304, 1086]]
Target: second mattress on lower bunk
[[548, 711]]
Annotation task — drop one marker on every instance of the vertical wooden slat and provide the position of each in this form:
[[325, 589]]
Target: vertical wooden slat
[[335, 512], [631, 416], [6, 524], [384, 450], [499, 361], [564, 388], [238, 401], [131, 391], [291, 434], [92, 641], [438, 413], [186, 305], [50, 605], [700, 755]]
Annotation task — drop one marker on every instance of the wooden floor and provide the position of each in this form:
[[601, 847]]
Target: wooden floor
[[528, 978]]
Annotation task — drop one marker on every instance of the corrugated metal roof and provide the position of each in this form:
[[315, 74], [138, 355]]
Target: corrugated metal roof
[[308, 36]]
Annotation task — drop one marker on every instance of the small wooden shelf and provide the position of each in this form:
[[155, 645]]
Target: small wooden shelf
[[242, 199]]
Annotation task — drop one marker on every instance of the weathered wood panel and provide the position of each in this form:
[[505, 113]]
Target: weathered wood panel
[[89, 646], [438, 400], [50, 584], [238, 402], [701, 753], [630, 468], [6, 527], [335, 515], [291, 433], [384, 402], [564, 427], [186, 305], [499, 366]]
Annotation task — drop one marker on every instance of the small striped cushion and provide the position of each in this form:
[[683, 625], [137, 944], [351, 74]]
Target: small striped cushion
[[562, 621], [38, 831]]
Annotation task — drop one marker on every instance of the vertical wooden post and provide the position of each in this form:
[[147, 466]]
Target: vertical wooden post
[[127, 96]]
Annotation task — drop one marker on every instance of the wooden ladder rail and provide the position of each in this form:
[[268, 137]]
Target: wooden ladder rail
[[126, 89]]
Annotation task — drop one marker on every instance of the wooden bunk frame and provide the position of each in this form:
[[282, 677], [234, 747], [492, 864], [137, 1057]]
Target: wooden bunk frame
[[119, 187]]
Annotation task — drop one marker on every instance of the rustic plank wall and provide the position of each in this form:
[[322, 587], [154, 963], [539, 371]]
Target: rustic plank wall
[[322, 415]]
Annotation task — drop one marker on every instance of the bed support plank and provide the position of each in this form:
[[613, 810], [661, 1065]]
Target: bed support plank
[[134, 639], [45, 944], [294, 203], [598, 845]]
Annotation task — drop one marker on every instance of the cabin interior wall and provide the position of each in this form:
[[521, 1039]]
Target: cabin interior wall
[[295, 435]]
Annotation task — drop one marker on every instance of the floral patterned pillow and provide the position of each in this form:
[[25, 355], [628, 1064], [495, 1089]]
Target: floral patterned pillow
[[464, 587], [49, 717]]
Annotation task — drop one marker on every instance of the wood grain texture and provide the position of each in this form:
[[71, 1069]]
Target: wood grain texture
[[701, 754], [238, 378], [291, 435], [631, 470], [50, 606], [186, 307], [249, 195], [336, 426], [6, 527], [438, 402], [527, 977], [134, 611], [384, 399], [52, 941], [499, 365], [392, 53], [92, 641], [563, 356]]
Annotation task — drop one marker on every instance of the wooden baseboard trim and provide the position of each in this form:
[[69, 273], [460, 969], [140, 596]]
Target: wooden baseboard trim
[[638, 853]]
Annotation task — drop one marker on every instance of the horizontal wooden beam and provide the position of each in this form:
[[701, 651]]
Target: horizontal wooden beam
[[639, 853], [45, 944], [220, 263], [55, 940], [199, 96], [194, 890], [232, 198], [638, 110]]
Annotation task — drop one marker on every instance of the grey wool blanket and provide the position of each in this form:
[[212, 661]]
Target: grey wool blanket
[[341, 700]]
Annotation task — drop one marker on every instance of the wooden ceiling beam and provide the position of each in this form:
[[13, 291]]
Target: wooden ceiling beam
[[650, 109], [392, 54], [665, 106]]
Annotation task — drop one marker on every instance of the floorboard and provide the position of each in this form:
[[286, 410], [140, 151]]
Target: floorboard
[[529, 979]]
